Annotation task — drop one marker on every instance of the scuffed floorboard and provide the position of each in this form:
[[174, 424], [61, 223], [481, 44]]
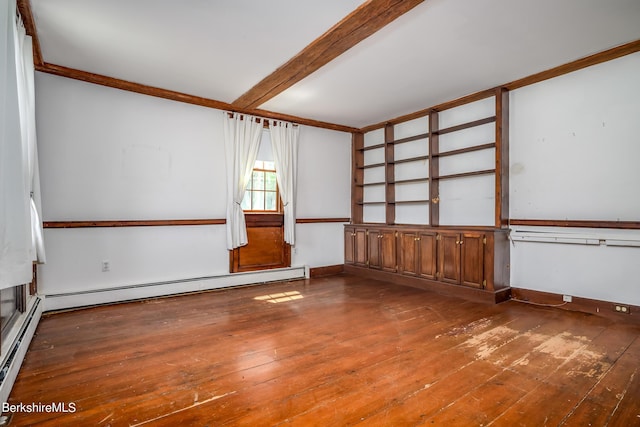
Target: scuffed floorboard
[[345, 351]]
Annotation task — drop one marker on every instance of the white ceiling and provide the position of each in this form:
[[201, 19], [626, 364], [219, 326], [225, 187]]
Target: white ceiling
[[439, 51]]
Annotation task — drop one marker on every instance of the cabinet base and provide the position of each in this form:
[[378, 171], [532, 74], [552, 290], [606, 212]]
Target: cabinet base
[[472, 294]]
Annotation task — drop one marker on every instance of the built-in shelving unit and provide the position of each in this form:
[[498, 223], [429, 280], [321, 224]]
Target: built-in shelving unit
[[434, 165], [430, 201]]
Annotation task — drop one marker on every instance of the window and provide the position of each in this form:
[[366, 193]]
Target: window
[[262, 190]]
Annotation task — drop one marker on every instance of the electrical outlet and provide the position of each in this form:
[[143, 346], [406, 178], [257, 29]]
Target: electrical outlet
[[621, 308], [567, 298], [106, 266]]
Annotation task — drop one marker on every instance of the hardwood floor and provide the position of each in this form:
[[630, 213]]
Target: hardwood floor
[[331, 351]]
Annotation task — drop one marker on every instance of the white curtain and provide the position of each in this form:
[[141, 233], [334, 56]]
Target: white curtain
[[284, 142], [27, 98], [242, 134], [16, 237]]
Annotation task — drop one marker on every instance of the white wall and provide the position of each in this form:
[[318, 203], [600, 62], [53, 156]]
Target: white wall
[[107, 154], [575, 146]]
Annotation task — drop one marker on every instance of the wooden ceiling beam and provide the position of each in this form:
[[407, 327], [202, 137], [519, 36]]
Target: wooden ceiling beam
[[24, 7], [367, 19], [99, 79]]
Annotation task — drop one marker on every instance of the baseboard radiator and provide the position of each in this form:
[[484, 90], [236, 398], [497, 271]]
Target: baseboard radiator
[[90, 297], [575, 238], [15, 355]]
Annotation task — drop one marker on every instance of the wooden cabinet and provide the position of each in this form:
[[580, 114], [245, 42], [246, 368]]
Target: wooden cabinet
[[370, 247], [418, 253], [449, 255], [466, 257], [461, 258], [382, 249], [355, 246]]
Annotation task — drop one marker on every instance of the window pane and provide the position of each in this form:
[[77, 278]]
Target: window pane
[[246, 201], [257, 199], [270, 201], [270, 183], [269, 166], [258, 180], [250, 183], [259, 164]]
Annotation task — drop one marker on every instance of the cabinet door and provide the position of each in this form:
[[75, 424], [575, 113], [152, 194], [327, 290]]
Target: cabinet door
[[349, 245], [408, 253], [360, 246], [449, 257], [373, 243], [427, 261], [387, 250], [473, 259]]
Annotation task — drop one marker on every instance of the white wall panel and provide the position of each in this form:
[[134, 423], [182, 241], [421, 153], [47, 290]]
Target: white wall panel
[[324, 174], [411, 128], [374, 137], [411, 170], [467, 113], [468, 201], [111, 154], [374, 175], [575, 145], [107, 154], [373, 213], [468, 162], [412, 191], [574, 150], [412, 213], [477, 135], [373, 193], [415, 148], [374, 156]]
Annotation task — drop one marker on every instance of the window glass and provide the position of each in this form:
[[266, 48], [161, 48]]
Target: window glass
[[262, 190]]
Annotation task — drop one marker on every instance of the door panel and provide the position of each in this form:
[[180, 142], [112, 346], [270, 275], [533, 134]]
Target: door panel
[[360, 246], [266, 248], [428, 255], [373, 237], [408, 253], [473, 259], [388, 258], [450, 258], [349, 245]]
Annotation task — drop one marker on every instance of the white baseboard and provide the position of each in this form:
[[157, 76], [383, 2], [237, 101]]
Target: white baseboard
[[148, 290]]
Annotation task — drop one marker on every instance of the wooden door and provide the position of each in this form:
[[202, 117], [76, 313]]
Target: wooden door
[[349, 245], [387, 250], [427, 250], [473, 259], [373, 243], [408, 253], [360, 246], [449, 257]]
